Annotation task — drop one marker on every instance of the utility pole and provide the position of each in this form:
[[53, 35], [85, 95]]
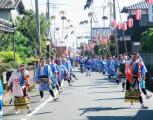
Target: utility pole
[[48, 31], [38, 27], [115, 30]]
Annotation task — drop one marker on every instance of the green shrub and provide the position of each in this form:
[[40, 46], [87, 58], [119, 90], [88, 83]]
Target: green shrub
[[6, 57]]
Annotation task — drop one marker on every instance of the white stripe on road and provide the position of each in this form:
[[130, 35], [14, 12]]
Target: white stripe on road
[[41, 105]]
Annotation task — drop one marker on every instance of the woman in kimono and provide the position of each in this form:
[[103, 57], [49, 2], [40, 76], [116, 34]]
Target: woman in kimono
[[17, 83], [43, 78]]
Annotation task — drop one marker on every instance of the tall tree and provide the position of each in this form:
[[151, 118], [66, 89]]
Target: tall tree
[[147, 41]]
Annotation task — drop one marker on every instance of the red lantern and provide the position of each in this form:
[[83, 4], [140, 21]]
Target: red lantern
[[130, 22], [138, 14], [149, 1], [114, 23], [119, 26], [124, 26]]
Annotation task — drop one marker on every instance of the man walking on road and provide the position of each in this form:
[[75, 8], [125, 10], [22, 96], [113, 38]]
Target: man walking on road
[[43, 78]]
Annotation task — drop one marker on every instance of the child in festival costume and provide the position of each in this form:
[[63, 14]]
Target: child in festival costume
[[133, 74], [18, 84]]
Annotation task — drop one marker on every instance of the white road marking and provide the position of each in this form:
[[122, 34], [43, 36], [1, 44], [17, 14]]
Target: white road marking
[[41, 105]]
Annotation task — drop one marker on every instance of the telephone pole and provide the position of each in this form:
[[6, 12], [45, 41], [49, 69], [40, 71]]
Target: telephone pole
[[38, 27], [115, 30], [48, 31]]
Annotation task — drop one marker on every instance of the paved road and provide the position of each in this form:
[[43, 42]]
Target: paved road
[[90, 98]]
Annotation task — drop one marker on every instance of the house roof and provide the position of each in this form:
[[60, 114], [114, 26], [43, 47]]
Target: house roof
[[142, 5], [9, 4]]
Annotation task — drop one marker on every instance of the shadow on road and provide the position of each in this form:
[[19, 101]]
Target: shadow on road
[[104, 92], [97, 109], [102, 87], [109, 99], [43, 113], [141, 115]]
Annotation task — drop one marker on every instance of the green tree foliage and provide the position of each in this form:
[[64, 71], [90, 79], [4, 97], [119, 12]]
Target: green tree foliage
[[26, 25], [7, 57], [147, 41], [26, 37]]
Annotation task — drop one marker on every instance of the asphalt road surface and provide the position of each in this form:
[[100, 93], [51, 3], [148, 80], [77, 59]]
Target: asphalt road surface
[[89, 98]]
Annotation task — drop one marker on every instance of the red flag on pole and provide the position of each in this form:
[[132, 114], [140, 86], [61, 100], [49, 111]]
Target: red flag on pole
[[130, 22], [138, 14]]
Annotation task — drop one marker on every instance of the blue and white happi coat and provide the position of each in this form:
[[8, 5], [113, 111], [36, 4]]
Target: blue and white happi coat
[[41, 72]]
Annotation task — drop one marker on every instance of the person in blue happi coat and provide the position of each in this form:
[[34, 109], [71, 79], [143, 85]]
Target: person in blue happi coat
[[142, 82], [1, 102], [111, 68], [43, 78], [88, 66], [103, 65], [54, 71]]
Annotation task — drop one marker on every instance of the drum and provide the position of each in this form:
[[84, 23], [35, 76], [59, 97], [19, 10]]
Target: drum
[[132, 93], [132, 96], [21, 103]]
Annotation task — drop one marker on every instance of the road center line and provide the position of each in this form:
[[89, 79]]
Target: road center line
[[41, 105]]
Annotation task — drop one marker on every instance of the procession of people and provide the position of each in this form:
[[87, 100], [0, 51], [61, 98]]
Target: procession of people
[[50, 74], [129, 70]]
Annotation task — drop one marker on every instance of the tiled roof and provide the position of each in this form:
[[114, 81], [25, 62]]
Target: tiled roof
[[9, 4], [142, 5]]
